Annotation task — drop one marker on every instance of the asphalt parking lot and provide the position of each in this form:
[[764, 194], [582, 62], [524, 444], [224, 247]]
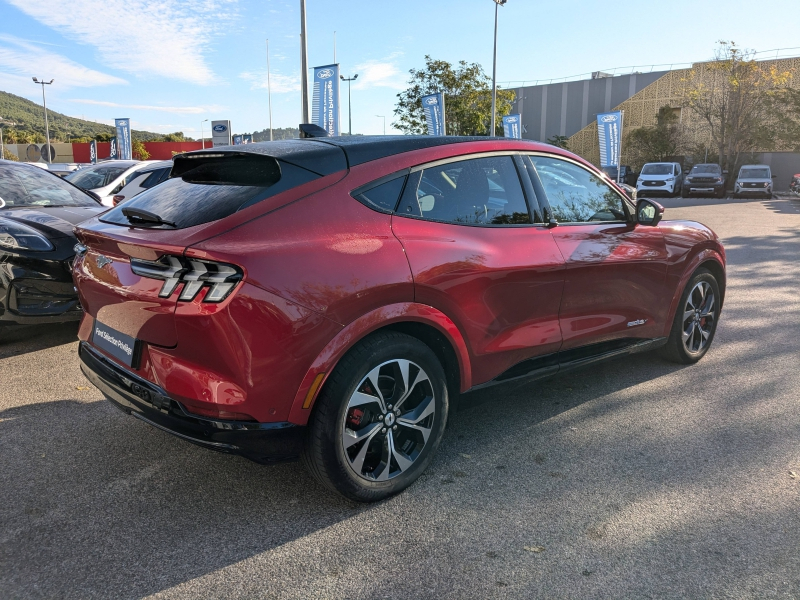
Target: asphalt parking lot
[[638, 478]]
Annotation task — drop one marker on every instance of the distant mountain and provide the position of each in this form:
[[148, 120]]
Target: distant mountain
[[29, 118]]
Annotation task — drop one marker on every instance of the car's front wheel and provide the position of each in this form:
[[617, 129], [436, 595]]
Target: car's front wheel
[[379, 418], [695, 320]]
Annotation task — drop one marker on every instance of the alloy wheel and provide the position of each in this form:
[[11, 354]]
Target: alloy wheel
[[388, 420], [699, 316]]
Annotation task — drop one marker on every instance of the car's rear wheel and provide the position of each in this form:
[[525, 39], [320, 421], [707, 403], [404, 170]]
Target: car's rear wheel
[[695, 320], [379, 418]]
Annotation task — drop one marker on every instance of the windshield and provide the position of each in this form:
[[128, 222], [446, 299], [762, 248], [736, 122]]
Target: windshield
[[711, 169], [96, 177], [754, 174], [31, 186], [657, 169]]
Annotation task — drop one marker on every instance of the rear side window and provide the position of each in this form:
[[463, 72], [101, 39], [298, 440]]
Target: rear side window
[[383, 196], [211, 193], [153, 178], [479, 191]]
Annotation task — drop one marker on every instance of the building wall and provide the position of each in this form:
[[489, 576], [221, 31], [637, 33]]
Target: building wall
[[566, 108]]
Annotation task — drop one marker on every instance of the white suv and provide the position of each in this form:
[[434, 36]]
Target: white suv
[[659, 178], [149, 174], [754, 180]]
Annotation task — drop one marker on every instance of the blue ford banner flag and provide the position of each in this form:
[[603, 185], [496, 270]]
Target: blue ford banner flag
[[93, 152], [247, 139], [325, 99], [512, 126], [124, 146], [609, 130], [433, 107], [113, 151], [237, 140]]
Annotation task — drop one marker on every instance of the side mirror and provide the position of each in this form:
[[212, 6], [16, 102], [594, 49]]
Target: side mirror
[[648, 212]]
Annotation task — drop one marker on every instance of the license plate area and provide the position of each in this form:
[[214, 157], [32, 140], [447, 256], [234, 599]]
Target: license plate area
[[124, 348]]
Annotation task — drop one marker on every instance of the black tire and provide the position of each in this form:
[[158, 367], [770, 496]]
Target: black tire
[[676, 349], [324, 452]]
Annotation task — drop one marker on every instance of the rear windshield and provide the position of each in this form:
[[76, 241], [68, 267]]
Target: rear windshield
[[754, 174], [657, 170], [96, 177], [188, 204], [32, 186], [712, 169]]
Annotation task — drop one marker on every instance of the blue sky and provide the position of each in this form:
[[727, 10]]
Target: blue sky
[[168, 64]]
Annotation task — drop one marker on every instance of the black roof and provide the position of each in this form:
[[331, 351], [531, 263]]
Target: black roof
[[331, 154]]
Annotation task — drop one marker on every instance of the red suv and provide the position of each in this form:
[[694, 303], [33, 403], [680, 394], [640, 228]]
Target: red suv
[[329, 298]]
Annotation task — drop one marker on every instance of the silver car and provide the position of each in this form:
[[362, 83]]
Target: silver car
[[754, 180]]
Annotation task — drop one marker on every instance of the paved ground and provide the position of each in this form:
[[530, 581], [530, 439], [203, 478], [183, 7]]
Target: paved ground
[[638, 478]]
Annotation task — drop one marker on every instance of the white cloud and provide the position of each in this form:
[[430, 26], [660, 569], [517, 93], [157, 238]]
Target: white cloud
[[22, 58], [380, 73], [166, 38], [178, 110], [281, 84]]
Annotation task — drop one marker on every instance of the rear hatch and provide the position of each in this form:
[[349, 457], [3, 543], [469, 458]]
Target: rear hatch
[[133, 272]]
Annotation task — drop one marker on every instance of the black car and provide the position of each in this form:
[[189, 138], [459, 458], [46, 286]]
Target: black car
[[37, 213], [704, 179]]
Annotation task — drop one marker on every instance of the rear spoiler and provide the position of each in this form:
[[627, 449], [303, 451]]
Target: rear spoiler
[[227, 168]]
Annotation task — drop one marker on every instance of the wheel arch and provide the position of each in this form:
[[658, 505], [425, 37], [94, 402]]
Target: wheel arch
[[429, 325], [708, 259]]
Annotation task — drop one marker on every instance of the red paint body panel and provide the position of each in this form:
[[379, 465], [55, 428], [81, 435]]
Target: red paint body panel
[[615, 275], [502, 285]]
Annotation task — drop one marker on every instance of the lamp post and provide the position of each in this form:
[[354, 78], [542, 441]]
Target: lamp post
[[497, 5], [203, 135], [2, 145], [349, 108], [384, 122], [44, 103], [304, 62]]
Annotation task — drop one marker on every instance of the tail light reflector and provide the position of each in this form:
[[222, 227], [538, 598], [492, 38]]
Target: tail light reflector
[[195, 274]]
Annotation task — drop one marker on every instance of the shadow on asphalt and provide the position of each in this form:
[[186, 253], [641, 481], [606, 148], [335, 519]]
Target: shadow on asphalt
[[21, 339], [95, 503]]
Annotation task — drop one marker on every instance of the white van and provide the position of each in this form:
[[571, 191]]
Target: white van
[[660, 178]]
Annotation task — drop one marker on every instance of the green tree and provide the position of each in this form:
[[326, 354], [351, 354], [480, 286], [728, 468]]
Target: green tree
[[468, 99], [734, 96], [9, 155], [177, 137], [559, 141], [656, 143], [138, 150]]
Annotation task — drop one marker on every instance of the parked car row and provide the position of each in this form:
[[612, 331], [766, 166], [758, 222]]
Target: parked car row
[[704, 179]]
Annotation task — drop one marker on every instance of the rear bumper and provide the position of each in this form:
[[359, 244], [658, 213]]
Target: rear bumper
[[260, 442]]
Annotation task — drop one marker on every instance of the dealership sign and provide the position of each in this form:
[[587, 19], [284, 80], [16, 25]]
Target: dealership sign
[[221, 133], [325, 98], [433, 108], [113, 150], [609, 131], [512, 126], [124, 144]]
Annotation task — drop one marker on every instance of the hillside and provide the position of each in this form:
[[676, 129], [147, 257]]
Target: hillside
[[29, 118]]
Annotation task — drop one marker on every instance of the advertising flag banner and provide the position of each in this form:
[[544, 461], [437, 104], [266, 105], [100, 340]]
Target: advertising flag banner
[[247, 139], [433, 107], [221, 133], [93, 152], [325, 99], [609, 130], [113, 151], [512, 126], [124, 145], [237, 140]]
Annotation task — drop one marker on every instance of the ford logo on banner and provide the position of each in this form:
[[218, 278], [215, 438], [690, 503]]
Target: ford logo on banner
[[220, 128], [608, 118], [432, 100], [325, 74], [512, 119]]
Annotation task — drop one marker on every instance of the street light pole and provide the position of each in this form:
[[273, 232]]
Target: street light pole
[[384, 122], [269, 94], [304, 61], [44, 103], [497, 5], [349, 101], [202, 135]]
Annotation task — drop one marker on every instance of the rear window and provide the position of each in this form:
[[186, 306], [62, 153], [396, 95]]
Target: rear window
[[188, 204], [96, 177]]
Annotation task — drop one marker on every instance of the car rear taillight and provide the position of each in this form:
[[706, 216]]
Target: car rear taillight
[[195, 274], [117, 199]]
